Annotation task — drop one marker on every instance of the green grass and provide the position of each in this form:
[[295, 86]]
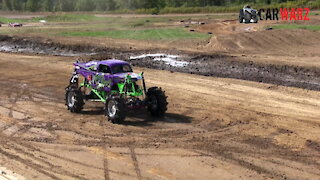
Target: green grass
[[10, 20], [88, 25], [146, 34], [297, 26], [71, 18], [124, 21], [56, 18], [314, 13]]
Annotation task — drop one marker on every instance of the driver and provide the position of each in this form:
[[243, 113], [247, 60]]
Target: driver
[[247, 8]]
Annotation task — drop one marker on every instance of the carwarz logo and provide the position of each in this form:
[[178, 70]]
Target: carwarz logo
[[249, 15]]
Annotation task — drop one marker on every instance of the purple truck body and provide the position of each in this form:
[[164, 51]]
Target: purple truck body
[[91, 72]]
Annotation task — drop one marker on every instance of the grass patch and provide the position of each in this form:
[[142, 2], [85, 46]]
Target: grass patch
[[297, 26], [314, 13], [146, 34], [10, 20], [55, 18], [70, 18]]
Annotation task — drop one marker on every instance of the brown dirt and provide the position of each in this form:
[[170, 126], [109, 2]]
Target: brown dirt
[[231, 36], [215, 128], [224, 128]]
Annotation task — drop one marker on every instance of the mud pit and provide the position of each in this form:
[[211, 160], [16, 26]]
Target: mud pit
[[217, 65], [230, 67]]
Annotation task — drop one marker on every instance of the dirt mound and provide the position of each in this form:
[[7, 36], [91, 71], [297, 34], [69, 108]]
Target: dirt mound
[[232, 37], [220, 27], [280, 42]]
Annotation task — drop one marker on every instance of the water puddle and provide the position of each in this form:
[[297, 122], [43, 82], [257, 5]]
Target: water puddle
[[172, 60]]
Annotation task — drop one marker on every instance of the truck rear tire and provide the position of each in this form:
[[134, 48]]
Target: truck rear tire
[[157, 101]]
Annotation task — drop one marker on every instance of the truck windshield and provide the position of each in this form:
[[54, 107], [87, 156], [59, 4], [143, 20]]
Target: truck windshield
[[123, 68]]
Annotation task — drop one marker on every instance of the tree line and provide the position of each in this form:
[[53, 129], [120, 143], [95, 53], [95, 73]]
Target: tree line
[[112, 5]]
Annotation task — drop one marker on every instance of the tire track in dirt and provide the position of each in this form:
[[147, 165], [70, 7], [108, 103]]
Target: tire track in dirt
[[135, 162], [41, 152], [106, 168], [225, 152], [104, 147], [21, 129], [25, 128], [229, 157], [29, 164], [51, 167], [153, 133]]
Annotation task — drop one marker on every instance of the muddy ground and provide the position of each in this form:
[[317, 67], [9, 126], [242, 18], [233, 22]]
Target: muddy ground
[[216, 65]]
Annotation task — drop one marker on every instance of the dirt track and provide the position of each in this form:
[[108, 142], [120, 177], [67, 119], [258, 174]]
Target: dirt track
[[215, 128]]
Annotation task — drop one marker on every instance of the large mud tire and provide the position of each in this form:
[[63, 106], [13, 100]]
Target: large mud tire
[[116, 110], [157, 101], [255, 19], [247, 18], [74, 99], [241, 16]]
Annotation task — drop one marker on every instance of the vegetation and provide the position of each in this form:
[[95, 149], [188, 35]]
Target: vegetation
[[149, 6], [297, 26], [158, 28], [143, 34]]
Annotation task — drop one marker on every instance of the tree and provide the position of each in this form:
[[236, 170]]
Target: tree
[[111, 5], [101, 5], [8, 5], [65, 5], [18, 5], [49, 5], [175, 3], [158, 4], [85, 5], [33, 5]]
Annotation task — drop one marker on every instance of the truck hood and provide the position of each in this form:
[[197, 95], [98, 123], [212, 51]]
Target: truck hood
[[124, 75]]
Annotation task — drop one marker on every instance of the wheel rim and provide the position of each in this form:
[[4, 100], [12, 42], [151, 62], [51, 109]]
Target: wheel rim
[[71, 99], [154, 103], [112, 108]]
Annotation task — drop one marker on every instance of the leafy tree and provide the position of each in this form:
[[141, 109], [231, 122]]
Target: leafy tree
[[49, 5], [111, 5], [8, 4], [175, 3], [18, 5], [101, 5], [85, 5], [33, 5], [148, 4], [66, 5]]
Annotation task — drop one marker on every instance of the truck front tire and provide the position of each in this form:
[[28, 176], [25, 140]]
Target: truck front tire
[[116, 110], [74, 99]]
